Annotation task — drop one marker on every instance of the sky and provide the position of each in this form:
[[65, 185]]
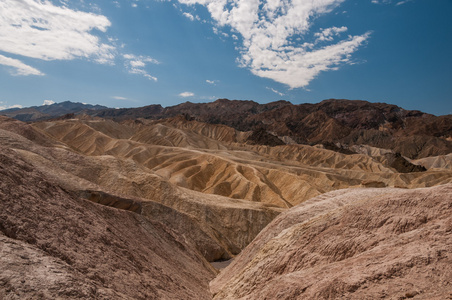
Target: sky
[[131, 53]]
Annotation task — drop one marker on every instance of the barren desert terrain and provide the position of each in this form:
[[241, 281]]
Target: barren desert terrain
[[339, 200]]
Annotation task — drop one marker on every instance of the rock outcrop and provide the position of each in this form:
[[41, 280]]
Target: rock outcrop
[[350, 244]]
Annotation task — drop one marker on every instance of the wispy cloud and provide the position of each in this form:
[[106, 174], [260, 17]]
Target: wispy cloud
[[329, 33], [48, 102], [3, 106], [390, 2], [119, 98], [135, 64], [269, 32], [189, 16], [186, 94], [275, 91], [403, 2], [18, 67], [212, 82]]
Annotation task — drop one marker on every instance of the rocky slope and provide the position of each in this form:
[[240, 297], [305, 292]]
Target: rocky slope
[[350, 244], [56, 245]]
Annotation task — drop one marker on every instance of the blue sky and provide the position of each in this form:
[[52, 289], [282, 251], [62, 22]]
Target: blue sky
[[130, 53]]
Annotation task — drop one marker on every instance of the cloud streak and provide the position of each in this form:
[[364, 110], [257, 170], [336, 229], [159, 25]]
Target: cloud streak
[[3, 107], [212, 82], [19, 68], [186, 94], [136, 64], [270, 30], [275, 91]]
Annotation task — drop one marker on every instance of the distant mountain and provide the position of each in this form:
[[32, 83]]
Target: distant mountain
[[336, 123], [36, 113], [344, 122]]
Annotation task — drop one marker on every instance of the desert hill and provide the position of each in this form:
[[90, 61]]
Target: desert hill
[[204, 188]]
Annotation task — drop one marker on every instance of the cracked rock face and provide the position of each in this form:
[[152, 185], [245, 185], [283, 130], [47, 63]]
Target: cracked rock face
[[350, 244]]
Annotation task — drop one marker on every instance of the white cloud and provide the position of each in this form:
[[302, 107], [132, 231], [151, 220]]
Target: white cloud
[[3, 107], [275, 91], [48, 102], [41, 30], [186, 94], [329, 33], [189, 16], [213, 82], [19, 67], [136, 64], [268, 30], [390, 2], [403, 2], [381, 1], [119, 98]]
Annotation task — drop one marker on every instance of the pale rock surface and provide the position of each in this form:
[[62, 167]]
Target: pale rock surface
[[350, 244]]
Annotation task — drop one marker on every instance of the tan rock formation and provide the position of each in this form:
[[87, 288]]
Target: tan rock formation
[[350, 244]]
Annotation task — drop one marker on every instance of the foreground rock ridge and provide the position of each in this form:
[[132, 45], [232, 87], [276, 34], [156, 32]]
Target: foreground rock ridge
[[55, 245], [350, 244], [136, 203]]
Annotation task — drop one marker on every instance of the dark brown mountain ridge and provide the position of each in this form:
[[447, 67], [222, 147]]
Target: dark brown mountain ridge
[[346, 122], [412, 133]]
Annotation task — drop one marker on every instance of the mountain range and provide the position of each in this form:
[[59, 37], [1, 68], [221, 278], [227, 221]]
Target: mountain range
[[340, 124]]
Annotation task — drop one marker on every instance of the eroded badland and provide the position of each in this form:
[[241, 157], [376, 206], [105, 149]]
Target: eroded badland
[[341, 199]]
